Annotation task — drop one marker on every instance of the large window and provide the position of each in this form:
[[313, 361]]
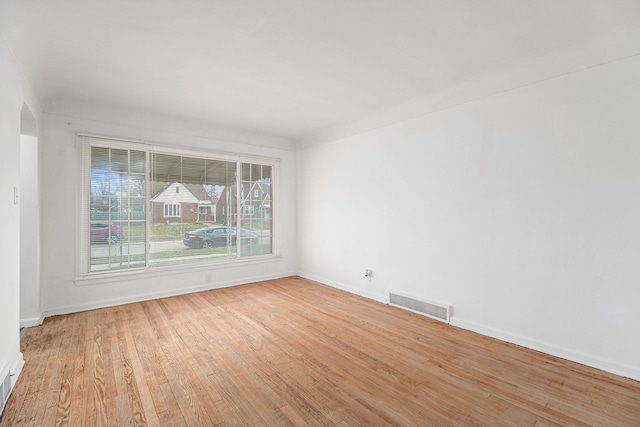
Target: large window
[[147, 206]]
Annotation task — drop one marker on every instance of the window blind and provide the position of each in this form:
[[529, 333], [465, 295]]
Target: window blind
[[146, 206]]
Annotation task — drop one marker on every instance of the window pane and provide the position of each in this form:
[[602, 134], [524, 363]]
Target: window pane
[[137, 212], [137, 162], [246, 172], [256, 221], [137, 185], [119, 160], [99, 208], [190, 197], [99, 159], [114, 194], [193, 170]]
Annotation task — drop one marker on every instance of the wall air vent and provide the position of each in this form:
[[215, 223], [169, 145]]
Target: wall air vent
[[431, 309]]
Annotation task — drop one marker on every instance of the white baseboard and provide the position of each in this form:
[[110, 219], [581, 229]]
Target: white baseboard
[[380, 298], [163, 294], [554, 350], [564, 353], [16, 368], [31, 322]]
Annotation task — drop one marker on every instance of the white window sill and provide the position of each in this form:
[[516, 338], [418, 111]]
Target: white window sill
[[168, 270]]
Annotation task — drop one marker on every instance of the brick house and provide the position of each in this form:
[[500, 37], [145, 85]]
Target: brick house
[[184, 203]]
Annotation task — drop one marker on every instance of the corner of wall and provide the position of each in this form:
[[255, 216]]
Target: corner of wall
[[16, 369], [32, 321], [343, 287]]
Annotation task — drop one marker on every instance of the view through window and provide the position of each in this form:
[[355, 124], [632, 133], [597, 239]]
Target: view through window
[[148, 207]]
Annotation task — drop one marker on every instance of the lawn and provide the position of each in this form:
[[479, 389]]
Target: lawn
[[160, 232], [168, 232]]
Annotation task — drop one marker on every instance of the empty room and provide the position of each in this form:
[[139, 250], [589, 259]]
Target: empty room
[[338, 212]]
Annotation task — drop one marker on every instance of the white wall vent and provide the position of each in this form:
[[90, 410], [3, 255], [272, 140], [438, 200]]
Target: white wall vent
[[435, 310], [5, 385]]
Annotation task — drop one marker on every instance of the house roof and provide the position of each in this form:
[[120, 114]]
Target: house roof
[[186, 193], [200, 193]]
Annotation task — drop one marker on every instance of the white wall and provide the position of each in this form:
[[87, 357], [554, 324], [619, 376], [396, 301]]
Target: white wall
[[15, 93], [30, 309], [60, 159], [521, 210]]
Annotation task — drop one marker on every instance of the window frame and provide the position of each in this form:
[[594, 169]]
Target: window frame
[[87, 141], [175, 209], [249, 210]]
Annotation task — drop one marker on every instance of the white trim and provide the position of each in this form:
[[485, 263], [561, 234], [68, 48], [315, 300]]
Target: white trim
[[4, 395], [552, 349], [164, 294], [109, 142], [111, 138], [82, 211], [32, 321], [16, 369], [379, 298], [99, 278], [274, 186], [238, 208], [192, 152], [606, 365]]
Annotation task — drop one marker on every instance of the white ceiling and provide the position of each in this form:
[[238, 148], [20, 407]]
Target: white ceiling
[[298, 69]]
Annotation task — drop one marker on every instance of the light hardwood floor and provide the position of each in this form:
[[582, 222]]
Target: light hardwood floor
[[291, 352]]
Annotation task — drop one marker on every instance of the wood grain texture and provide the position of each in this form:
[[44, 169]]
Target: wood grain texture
[[290, 352]]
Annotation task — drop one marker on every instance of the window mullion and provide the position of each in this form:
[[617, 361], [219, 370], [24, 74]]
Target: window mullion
[[238, 209], [147, 211]]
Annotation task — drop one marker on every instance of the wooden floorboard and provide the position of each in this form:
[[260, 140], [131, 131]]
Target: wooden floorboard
[[290, 352]]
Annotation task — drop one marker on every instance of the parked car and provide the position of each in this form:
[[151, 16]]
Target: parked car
[[209, 237], [102, 233]]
